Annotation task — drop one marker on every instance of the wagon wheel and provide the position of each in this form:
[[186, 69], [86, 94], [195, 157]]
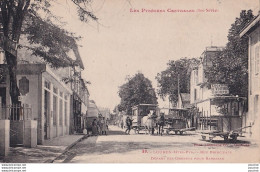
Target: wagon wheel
[[211, 139], [225, 138], [234, 138], [135, 131], [203, 137]]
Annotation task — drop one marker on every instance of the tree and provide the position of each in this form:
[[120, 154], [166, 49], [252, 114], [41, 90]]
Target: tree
[[137, 90], [231, 65], [168, 79], [48, 41]]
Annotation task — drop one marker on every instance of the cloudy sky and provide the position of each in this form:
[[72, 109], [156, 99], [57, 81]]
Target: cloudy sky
[[122, 42]]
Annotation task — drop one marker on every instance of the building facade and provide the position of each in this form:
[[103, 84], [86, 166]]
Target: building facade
[[252, 31], [213, 100], [47, 97]]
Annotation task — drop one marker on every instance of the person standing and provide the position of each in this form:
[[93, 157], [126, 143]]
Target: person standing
[[128, 124], [161, 124], [94, 127], [103, 126], [99, 126]]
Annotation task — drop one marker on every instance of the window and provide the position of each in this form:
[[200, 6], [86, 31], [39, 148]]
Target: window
[[47, 85], [196, 77], [55, 90], [257, 49], [61, 94], [54, 110], [61, 112], [65, 113], [195, 94]]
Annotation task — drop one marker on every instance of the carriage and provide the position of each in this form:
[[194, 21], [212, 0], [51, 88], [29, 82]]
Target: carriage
[[178, 121], [92, 113], [144, 117], [227, 120]]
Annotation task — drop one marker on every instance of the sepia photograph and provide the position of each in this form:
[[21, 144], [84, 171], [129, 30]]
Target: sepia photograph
[[129, 81]]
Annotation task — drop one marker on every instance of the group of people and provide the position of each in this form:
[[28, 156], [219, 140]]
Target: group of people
[[99, 127]]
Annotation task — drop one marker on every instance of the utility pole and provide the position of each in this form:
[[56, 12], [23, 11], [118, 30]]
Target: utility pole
[[178, 85]]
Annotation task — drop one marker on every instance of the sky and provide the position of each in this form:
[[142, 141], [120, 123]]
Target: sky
[[124, 42]]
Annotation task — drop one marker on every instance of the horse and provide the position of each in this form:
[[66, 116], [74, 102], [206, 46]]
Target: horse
[[149, 123]]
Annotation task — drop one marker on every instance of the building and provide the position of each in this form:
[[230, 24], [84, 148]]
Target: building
[[45, 94], [72, 78], [213, 100], [58, 106], [252, 30], [183, 101]]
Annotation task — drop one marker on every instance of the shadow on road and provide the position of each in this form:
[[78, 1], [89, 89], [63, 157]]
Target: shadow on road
[[102, 147], [238, 142], [109, 147], [113, 132]]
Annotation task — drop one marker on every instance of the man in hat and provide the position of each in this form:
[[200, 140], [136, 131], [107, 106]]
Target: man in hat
[[128, 124]]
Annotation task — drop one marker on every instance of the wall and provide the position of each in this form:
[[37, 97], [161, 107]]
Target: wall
[[31, 97], [62, 94], [254, 81]]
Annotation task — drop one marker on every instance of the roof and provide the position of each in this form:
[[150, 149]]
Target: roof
[[250, 27], [78, 57]]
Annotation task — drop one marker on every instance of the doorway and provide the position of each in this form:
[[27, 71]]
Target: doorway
[[46, 114]]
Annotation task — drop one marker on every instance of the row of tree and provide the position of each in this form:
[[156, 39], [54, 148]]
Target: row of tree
[[230, 67]]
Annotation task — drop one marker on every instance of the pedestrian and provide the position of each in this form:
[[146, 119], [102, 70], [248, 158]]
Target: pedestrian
[[122, 124], [94, 127], [99, 126], [128, 124], [103, 126], [161, 123]]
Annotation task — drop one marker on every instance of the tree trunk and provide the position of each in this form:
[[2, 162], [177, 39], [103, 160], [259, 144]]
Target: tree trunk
[[12, 68]]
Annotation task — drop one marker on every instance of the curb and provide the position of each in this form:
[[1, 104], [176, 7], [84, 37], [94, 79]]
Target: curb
[[67, 148]]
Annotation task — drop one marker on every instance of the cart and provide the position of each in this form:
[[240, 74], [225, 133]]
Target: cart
[[178, 121], [92, 113], [177, 125], [139, 112], [227, 127]]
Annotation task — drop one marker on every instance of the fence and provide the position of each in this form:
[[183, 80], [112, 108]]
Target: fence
[[15, 112]]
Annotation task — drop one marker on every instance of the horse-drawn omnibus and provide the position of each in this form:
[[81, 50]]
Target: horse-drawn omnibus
[[178, 121], [92, 113], [144, 117]]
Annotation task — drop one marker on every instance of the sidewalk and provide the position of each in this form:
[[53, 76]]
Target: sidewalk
[[42, 153]]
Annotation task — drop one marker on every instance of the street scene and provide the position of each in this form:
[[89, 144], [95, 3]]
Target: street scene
[[118, 147], [147, 82]]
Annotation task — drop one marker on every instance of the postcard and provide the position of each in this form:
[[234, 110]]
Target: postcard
[[129, 81]]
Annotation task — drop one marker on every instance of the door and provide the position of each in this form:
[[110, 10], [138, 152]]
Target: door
[[3, 102], [46, 114]]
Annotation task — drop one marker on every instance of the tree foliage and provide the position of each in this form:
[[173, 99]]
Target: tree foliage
[[231, 65], [34, 20], [137, 90], [168, 79]]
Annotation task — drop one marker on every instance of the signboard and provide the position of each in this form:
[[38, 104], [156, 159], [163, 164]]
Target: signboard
[[219, 89], [24, 85]]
